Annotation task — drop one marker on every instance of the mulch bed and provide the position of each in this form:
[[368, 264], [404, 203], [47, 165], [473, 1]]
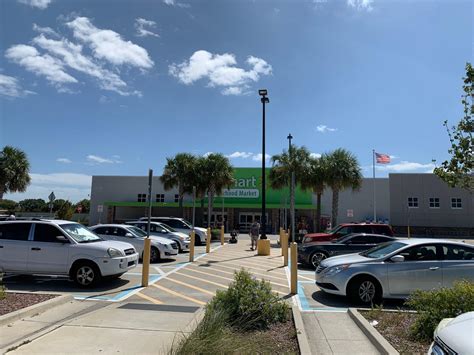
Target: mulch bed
[[395, 327], [281, 336], [15, 301]]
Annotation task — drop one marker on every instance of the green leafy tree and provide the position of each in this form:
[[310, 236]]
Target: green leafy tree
[[343, 171], [8, 205], [14, 171], [57, 204], [316, 180], [217, 174], [65, 211], [86, 205], [178, 173], [33, 205], [459, 170], [284, 164]]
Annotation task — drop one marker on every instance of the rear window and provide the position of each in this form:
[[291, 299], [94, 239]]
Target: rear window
[[15, 231]]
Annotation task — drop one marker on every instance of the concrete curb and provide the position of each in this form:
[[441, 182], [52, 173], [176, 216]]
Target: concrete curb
[[34, 309], [301, 332], [382, 345]]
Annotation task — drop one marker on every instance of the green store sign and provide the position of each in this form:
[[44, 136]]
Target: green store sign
[[247, 190]]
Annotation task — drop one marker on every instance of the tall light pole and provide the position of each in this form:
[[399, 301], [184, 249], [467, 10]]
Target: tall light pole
[[264, 100], [292, 192]]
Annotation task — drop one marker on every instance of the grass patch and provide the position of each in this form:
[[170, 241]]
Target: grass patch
[[247, 318]]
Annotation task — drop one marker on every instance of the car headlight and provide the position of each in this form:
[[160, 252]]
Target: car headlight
[[115, 253], [336, 269]]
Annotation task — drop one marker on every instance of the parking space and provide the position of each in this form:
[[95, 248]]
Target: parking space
[[109, 290]]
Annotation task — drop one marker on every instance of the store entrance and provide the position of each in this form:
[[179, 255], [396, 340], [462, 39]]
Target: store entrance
[[247, 218]]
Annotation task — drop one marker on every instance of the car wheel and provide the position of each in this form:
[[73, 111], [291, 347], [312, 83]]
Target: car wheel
[[154, 255], [197, 240], [365, 290], [86, 274], [317, 257]]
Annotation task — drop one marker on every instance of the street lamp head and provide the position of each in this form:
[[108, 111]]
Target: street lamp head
[[262, 92]]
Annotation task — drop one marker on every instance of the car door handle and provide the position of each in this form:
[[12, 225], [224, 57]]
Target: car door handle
[[433, 268], [35, 248]]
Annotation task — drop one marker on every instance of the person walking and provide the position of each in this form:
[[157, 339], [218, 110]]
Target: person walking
[[254, 232]]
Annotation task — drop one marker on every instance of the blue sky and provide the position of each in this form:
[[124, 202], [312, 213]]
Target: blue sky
[[114, 87]]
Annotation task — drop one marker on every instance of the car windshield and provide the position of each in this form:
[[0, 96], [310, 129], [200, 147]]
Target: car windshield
[[382, 250], [187, 223], [167, 227], [80, 233], [137, 231]]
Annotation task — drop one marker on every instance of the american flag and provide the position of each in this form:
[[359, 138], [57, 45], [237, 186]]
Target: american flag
[[382, 158]]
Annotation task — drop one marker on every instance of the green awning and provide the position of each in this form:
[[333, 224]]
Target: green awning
[[217, 205]]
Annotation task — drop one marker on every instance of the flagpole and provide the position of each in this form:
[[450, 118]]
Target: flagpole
[[373, 170]]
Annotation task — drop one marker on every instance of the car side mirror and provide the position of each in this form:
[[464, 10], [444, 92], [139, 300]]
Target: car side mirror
[[129, 235], [62, 239], [397, 258]]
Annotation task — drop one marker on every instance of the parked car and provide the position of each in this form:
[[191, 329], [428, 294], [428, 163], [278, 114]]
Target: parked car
[[161, 248], [313, 253], [162, 230], [349, 228], [56, 247], [454, 336], [396, 269], [181, 225]]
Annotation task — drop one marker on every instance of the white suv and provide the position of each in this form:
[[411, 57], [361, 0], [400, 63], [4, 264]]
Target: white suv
[[56, 247]]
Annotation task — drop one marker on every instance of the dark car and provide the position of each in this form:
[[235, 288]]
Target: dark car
[[349, 228], [313, 253]]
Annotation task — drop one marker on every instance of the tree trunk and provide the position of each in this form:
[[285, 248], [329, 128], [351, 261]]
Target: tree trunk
[[181, 196], [2, 192], [318, 212], [335, 206]]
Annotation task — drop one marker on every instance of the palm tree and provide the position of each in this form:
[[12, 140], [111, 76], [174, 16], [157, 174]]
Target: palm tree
[[14, 171], [199, 181], [343, 171], [178, 172], [217, 174], [316, 179], [283, 165]]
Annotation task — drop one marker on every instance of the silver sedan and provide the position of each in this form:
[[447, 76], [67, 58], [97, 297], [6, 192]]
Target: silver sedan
[[396, 269]]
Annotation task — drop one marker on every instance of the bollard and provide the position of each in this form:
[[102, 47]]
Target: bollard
[[146, 262], [208, 241], [284, 248], [222, 235], [294, 268], [408, 232], [191, 246]]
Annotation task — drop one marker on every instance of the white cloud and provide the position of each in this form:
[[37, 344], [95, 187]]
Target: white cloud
[[41, 65], [405, 166], [258, 157], [40, 4], [69, 186], [243, 155], [143, 27], [95, 159], [205, 155], [71, 55], [220, 70], [324, 129], [46, 30], [109, 45], [64, 160], [10, 87], [361, 4], [315, 155], [175, 3]]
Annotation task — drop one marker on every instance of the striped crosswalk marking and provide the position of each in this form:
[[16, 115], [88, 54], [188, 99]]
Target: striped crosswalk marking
[[190, 286], [148, 298], [174, 293]]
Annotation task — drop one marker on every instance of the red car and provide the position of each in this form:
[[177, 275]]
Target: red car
[[349, 228]]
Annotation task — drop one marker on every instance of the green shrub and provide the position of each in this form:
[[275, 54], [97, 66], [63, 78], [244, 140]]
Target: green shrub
[[433, 306], [2, 291], [249, 303]]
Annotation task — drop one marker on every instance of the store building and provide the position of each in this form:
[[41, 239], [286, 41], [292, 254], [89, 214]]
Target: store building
[[421, 201]]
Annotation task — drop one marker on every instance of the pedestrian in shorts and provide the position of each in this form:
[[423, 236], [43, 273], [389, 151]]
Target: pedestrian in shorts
[[254, 232]]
